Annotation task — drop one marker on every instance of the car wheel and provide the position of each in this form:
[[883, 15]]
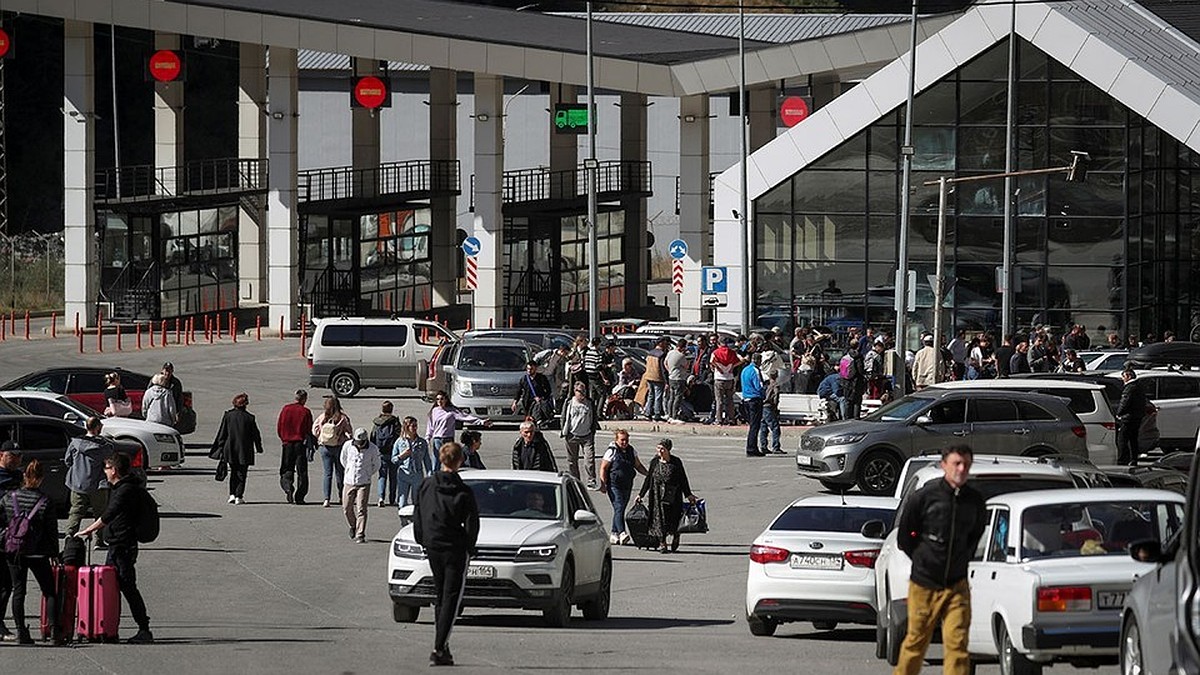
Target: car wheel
[[825, 625], [559, 615], [344, 383], [836, 488], [405, 613], [596, 609], [878, 472], [1013, 662], [761, 626], [895, 636], [1131, 648]]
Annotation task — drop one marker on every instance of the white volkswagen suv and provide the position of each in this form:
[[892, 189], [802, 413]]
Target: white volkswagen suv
[[541, 546]]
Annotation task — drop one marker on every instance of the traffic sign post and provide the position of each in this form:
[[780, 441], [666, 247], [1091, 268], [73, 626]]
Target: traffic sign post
[[471, 246], [677, 277], [370, 92], [678, 249], [165, 66], [714, 280]]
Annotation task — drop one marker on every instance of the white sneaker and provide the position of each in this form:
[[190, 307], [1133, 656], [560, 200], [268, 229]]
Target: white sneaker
[[612, 538], [624, 539], [381, 503], [232, 499], [239, 500], [325, 504]]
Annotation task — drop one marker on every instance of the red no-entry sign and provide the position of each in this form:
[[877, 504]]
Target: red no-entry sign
[[370, 92], [165, 66], [792, 111], [5, 43]]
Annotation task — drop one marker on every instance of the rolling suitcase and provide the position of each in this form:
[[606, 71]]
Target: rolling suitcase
[[66, 583], [637, 522], [98, 603]]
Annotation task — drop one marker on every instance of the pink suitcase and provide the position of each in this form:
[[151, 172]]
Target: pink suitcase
[[99, 603]]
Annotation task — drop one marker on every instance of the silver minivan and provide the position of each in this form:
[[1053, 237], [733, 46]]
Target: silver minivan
[[349, 354]]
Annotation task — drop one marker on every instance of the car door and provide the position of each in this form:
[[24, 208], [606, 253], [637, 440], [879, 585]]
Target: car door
[[47, 442], [87, 387], [385, 356], [996, 425], [946, 423], [44, 407], [589, 538], [982, 577], [426, 337], [1178, 399], [1159, 620], [1045, 427]]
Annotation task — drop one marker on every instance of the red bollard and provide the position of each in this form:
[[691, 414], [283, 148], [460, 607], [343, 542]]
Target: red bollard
[[303, 336], [216, 329], [150, 330], [3, 329], [468, 324], [280, 326], [138, 329], [26, 324], [54, 325], [212, 329], [230, 321], [510, 322], [177, 330], [80, 340], [233, 328], [77, 325], [164, 334], [12, 321], [258, 328], [118, 337], [490, 325], [100, 333]]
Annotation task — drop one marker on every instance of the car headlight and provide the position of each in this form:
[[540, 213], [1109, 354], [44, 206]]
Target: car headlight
[[536, 553], [404, 549], [165, 438], [464, 388], [845, 439]]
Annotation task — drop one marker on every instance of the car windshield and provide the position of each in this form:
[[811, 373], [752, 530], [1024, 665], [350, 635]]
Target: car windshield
[[516, 499], [898, 411], [504, 358], [1099, 528], [830, 518], [81, 408]]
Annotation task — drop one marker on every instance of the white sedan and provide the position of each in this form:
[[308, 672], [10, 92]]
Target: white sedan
[[162, 445], [816, 563], [1052, 572]]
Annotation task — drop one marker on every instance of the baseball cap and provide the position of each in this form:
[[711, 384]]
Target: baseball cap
[[360, 435], [9, 446], [168, 366]]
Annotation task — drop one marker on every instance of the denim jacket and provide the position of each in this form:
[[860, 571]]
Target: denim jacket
[[419, 463]]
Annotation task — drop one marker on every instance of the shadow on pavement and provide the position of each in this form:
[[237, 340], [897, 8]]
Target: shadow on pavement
[[165, 475], [187, 515], [188, 549], [837, 635], [612, 623], [234, 641]]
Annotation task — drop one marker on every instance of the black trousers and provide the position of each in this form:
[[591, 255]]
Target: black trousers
[[1127, 441], [449, 581], [5, 586], [293, 470], [124, 558], [237, 479], [18, 568]]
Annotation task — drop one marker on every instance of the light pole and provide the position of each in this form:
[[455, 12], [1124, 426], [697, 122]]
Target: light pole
[[590, 166], [906, 152], [744, 207], [1076, 172]]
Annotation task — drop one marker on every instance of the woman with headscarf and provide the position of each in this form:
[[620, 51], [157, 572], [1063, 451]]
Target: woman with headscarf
[[667, 486]]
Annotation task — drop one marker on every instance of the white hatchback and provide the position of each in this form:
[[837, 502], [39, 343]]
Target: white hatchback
[[814, 563], [541, 546]]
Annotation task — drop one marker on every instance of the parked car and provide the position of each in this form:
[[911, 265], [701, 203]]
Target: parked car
[[1104, 360], [991, 475], [162, 445], [482, 376], [869, 452], [551, 557], [1051, 576], [1085, 399], [1148, 476], [350, 354], [1176, 394], [540, 338], [45, 439], [85, 384], [813, 563]]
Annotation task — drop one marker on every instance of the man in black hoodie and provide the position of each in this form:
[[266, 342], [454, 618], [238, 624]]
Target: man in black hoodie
[[939, 530], [446, 524]]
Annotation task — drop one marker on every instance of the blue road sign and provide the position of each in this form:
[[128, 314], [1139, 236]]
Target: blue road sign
[[678, 249], [714, 280], [471, 246]]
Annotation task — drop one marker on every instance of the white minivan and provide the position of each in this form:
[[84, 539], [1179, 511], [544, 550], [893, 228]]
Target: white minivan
[[1085, 399], [348, 354]]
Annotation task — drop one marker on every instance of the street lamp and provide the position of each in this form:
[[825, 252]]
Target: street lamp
[[747, 233], [590, 166], [1076, 172]]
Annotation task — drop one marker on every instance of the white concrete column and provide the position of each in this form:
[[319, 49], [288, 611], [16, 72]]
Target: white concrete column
[[79, 162], [762, 113], [364, 134], [443, 145], [727, 229], [564, 148], [168, 119], [693, 199], [633, 149], [252, 144], [489, 217], [282, 229]]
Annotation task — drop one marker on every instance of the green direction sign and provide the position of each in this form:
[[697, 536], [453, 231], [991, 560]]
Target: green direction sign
[[570, 118]]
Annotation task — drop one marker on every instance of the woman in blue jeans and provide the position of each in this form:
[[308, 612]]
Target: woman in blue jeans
[[332, 429], [618, 469]]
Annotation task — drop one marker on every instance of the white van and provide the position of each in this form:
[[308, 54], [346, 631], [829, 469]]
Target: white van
[[1085, 399], [349, 354]]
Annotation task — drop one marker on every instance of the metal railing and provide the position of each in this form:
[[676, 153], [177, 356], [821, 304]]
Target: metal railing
[[613, 178], [712, 179], [209, 176], [344, 182]]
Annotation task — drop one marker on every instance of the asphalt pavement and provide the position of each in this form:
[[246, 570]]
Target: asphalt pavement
[[266, 587]]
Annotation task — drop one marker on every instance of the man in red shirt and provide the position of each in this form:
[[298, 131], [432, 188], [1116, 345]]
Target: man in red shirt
[[724, 360], [295, 431]]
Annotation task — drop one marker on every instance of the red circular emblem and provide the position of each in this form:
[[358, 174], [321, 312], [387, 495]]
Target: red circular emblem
[[5, 43], [793, 110], [165, 66], [370, 91]]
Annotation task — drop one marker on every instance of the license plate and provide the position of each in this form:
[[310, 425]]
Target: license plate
[[1110, 599], [496, 410], [815, 561], [481, 572], [804, 459]]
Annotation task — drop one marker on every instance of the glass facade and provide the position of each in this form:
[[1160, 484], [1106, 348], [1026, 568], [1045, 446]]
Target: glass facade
[[199, 271], [1114, 253]]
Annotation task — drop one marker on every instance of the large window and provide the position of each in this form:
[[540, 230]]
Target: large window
[[199, 264]]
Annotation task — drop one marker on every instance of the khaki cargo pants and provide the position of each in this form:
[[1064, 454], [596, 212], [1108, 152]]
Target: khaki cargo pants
[[927, 606]]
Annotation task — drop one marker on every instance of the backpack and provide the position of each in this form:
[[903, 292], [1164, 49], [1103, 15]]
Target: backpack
[[328, 435], [844, 367], [21, 536], [148, 523], [385, 437]]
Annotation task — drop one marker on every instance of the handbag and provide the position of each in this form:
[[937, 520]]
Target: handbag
[[694, 519], [120, 407], [222, 471]]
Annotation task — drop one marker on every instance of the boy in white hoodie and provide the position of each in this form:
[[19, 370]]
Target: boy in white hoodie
[[360, 457]]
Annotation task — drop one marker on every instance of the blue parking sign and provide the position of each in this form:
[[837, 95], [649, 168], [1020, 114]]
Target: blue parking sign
[[714, 280]]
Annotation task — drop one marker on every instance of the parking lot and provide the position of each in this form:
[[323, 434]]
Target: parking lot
[[267, 587]]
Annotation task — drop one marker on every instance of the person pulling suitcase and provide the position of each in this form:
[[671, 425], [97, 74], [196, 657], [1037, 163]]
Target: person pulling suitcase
[[128, 505]]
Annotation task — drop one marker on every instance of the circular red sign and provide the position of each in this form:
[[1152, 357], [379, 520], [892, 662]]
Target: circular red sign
[[370, 91], [165, 65], [793, 110], [5, 43]]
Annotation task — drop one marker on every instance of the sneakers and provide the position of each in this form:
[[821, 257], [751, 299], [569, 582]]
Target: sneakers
[[613, 538], [381, 503], [591, 484], [6, 635], [289, 498], [232, 499], [142, 637], [624, 539], [352, 533], [360, 540], [239, 500], [23, 636], [325, 504], [442, 658]]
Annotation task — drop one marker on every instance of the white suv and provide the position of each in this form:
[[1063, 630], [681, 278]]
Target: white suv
[[541, 546], [1176, 394]]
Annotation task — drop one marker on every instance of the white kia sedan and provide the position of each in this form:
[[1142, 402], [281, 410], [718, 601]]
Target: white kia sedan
[[541, 547], [816, 562], [1052, 572]]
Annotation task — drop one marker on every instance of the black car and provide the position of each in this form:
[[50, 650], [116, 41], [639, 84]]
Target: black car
[[1149, 476], [45, 439]]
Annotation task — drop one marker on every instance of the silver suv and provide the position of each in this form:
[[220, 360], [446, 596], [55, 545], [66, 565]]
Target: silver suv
[[869, 452]]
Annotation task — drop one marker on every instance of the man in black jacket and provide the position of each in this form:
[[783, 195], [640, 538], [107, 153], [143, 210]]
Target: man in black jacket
[[446, 524], [126, 506], [532, 452], [939, 529], [1131, 410], [535, 396]]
